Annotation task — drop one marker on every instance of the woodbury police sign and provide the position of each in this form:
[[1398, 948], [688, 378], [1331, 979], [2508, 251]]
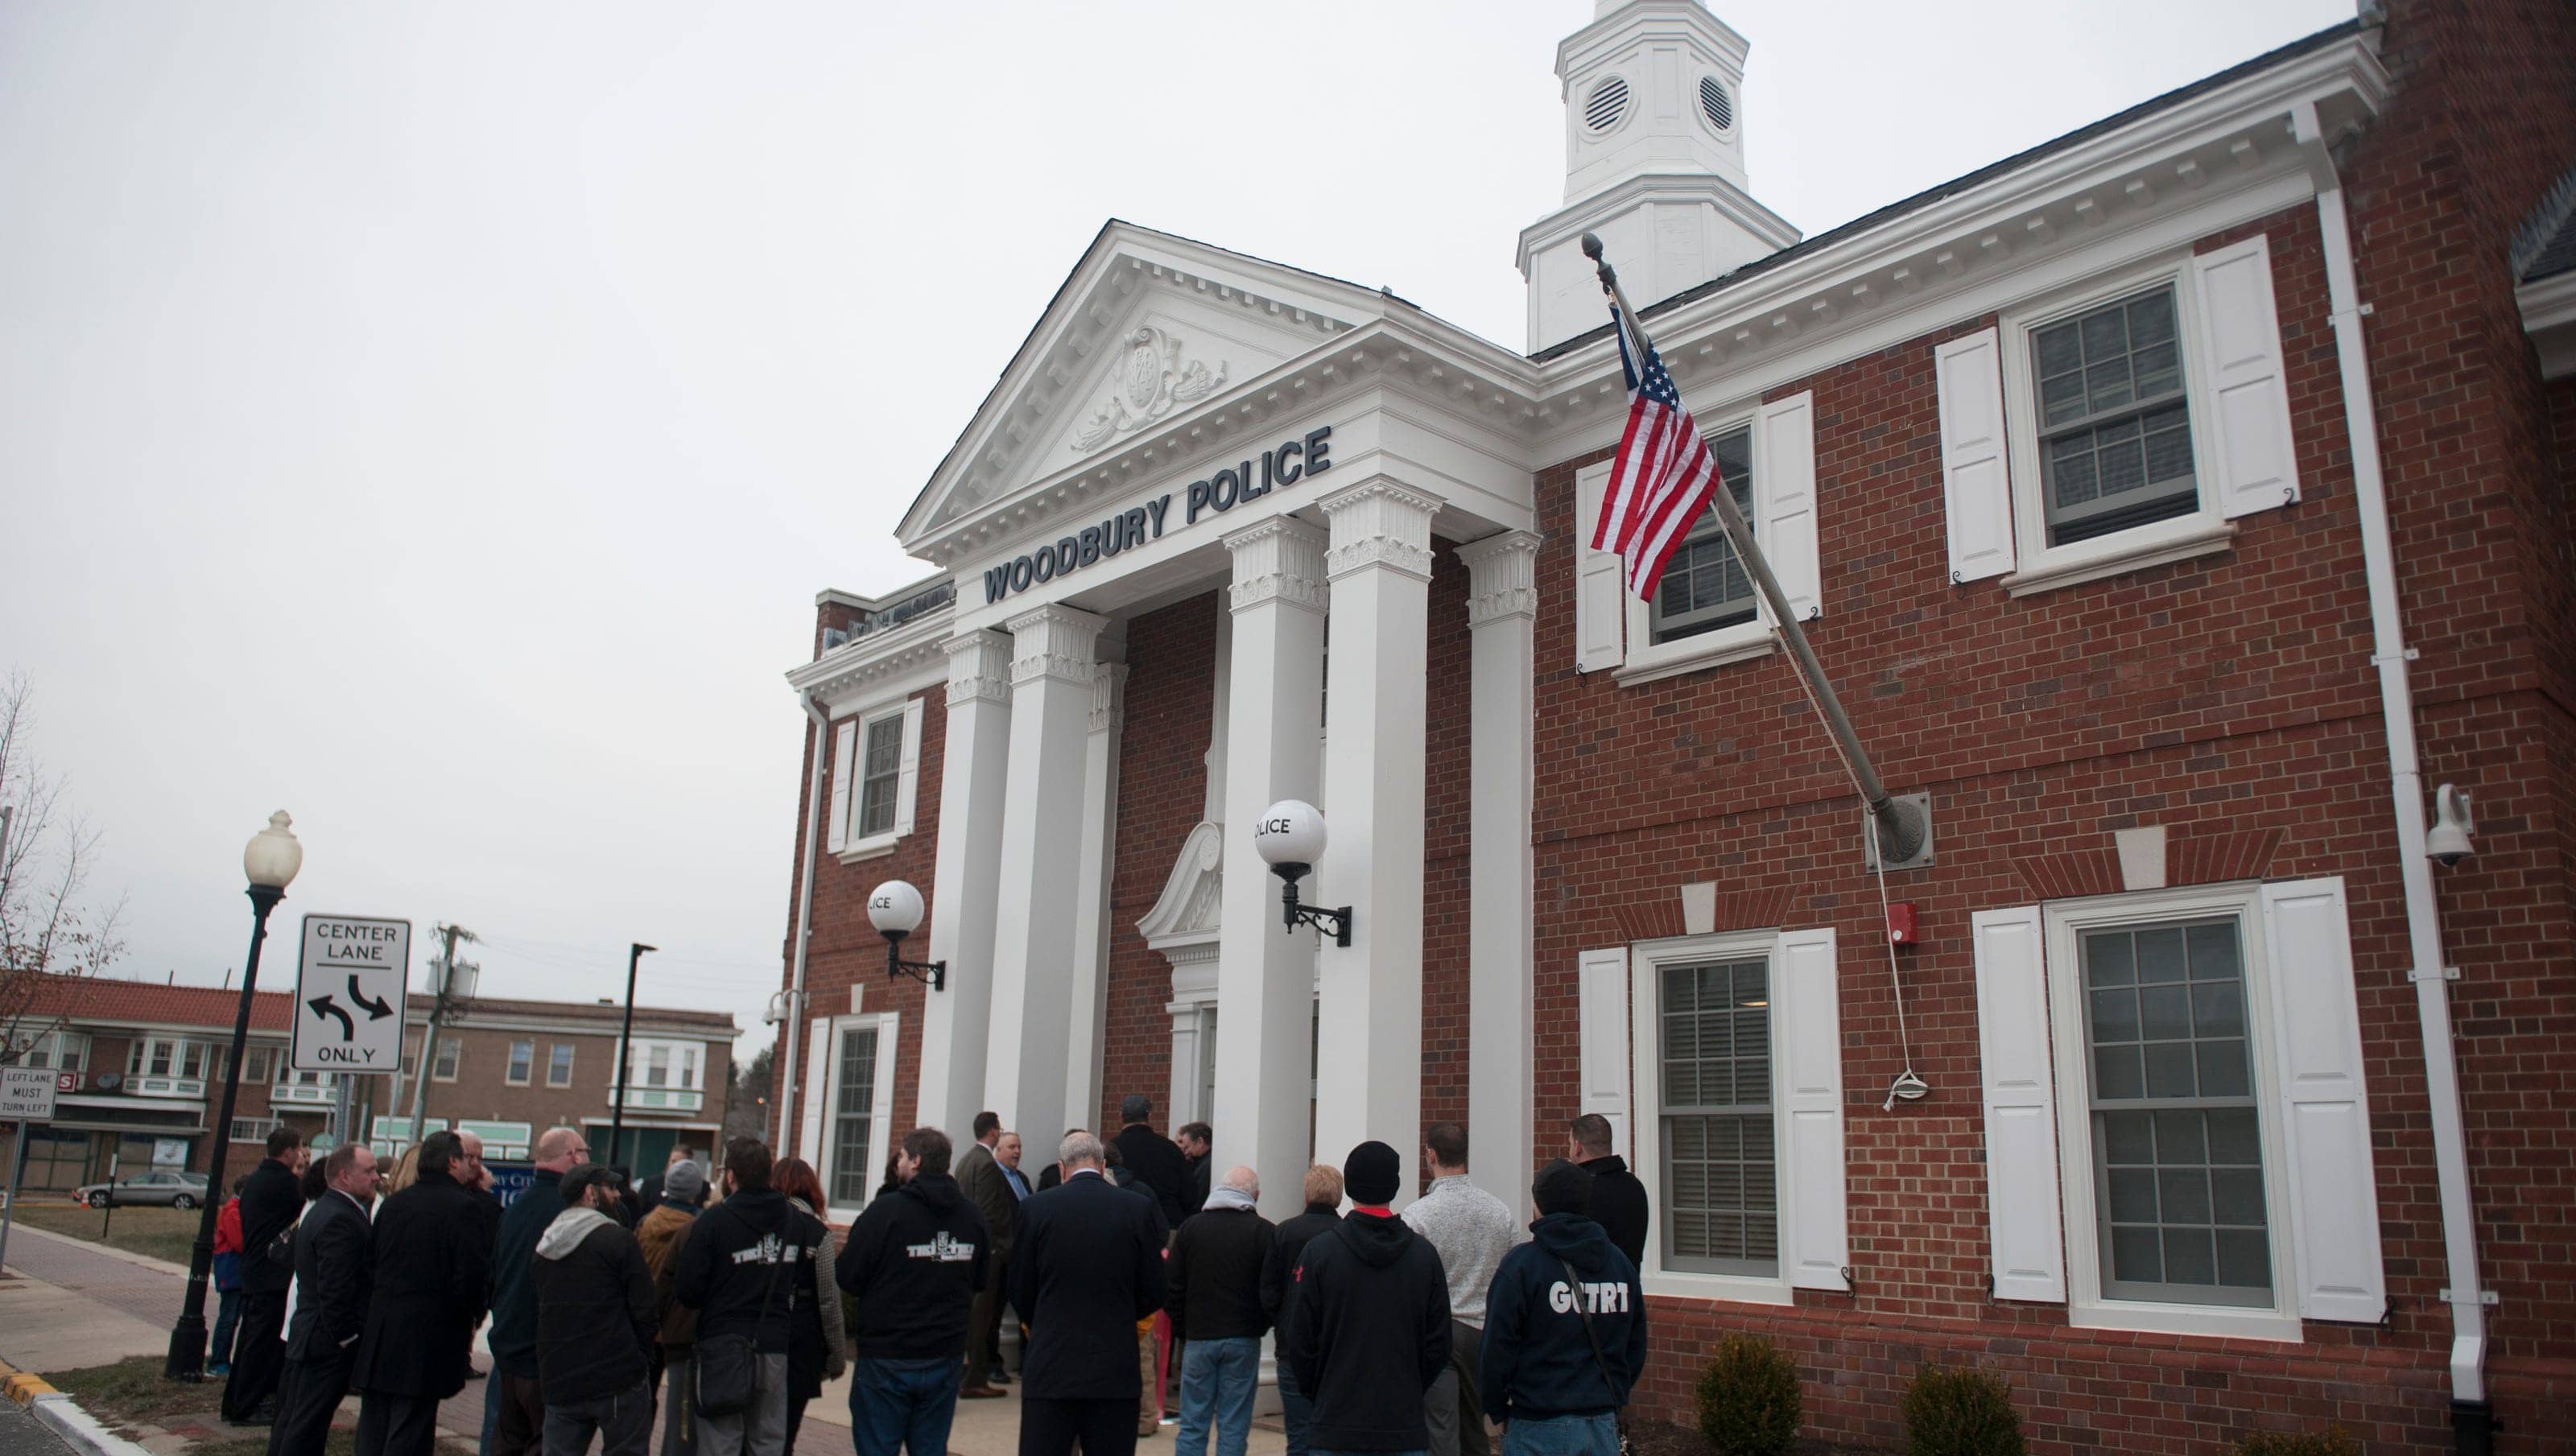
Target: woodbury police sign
[[349, 988], [1225, 488]]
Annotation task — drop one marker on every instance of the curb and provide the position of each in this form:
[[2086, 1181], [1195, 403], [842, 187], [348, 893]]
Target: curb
[[82, 1429], [122, 1256]]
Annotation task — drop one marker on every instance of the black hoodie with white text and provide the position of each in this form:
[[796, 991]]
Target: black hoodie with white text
[[914, 1262], [1536, 1360]]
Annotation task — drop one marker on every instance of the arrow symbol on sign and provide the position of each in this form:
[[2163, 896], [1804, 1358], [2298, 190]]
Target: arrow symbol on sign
[[323, 1006], [376, 1010]]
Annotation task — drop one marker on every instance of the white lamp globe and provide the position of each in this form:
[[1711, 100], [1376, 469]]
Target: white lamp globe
[[1290, 832], [272, 856], [895, 908]]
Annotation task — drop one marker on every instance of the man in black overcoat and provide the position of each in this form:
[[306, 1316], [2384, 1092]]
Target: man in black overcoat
[[335, 1271], [270, 1204], [1087, 1264], [1155, 1159], [433, 1250]]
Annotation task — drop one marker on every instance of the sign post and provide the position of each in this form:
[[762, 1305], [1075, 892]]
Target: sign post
[[349, 986], [26, 1095]]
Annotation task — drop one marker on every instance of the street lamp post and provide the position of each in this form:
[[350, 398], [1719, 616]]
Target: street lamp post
[[270, 863], [625, 1043]]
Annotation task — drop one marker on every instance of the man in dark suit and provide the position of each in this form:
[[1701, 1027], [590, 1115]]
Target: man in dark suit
[[980, 1178], [334, 1277], [1087, 1265], [433, 1253], [270, 1204], [1155, 1159]]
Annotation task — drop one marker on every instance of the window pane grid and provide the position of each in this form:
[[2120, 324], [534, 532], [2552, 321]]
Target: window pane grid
[[880, 768], [851, 1108], [2115, 428], [1719, 1164], [2177, 1145], [1705, 585]]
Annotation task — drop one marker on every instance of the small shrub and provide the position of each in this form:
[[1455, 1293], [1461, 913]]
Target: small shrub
[[1960, 1413], [2330, 1442], [1748, 1398]]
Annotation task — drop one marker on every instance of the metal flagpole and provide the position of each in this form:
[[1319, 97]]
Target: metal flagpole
[[1900, 825]]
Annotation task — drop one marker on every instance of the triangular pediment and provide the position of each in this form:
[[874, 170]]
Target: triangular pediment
[[1148, 329]]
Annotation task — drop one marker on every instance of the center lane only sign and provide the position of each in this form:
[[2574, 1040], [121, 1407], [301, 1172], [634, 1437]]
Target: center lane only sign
[[349, 987]]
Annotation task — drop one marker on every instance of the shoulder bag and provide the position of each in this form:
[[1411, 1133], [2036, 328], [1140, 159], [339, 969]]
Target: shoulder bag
[[1600, 1362], [721, 1380]]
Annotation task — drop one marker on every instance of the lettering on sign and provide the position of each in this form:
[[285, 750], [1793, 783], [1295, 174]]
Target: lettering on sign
[[1282, 465], [349, 989]]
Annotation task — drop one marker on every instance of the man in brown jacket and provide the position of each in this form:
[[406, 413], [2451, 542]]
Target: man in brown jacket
[[979, 1177], [660, 1235]]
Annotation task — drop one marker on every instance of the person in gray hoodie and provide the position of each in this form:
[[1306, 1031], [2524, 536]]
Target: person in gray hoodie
[[596, 1322]]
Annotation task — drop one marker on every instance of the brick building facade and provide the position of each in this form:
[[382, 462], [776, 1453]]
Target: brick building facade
[[2065, 469]]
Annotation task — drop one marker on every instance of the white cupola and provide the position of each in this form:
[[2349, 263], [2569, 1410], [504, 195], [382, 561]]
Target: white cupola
[[1654, 163]]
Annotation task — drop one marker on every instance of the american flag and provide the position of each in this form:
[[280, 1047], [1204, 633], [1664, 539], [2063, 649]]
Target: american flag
[[1663, 477]]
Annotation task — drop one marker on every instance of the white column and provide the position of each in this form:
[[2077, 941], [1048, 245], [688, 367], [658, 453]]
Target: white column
[[1368, 1083], [1502, 602], [966, 880], [1090, 1026], [1039, 878], [1265, 975]]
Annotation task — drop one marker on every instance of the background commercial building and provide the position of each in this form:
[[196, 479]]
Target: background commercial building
[[2176, 504]]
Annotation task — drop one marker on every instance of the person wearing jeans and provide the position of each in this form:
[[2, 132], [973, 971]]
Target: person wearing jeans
[[1214, 1299], [741, 1269], [1565, 1329], [1473, 1231], [1323, 1190], [915, 1262]]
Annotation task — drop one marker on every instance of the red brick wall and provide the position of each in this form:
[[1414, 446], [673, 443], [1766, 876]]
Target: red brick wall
[[1162, 789], [845, 949], [2229, 699], [1448, 791]]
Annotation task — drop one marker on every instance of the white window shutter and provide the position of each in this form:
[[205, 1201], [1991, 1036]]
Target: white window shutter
[[907, 785], [816, 1091], [1600, 598], [2250, 460], [2316, 1019], [1976, 491], [1602, 996], [1784, 472], [844, 751], [1806, 1006], [2022, 1222]]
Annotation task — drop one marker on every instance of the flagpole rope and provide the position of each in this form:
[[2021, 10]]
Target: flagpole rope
[[1907, 1087]]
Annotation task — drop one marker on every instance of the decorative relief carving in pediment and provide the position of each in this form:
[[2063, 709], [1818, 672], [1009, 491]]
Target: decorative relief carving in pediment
[[1150, 381]]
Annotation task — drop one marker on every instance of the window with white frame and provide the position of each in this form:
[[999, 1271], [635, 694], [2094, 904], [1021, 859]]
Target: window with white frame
[[1705, 584], [853, 1109], [663, 1064], [450, 1055], [165, 1057], [253, 1129], [880, 774], [2202, 1120], [2121, 423], [657, 1065], [58, 1051], [559, 1065], [255, 1061], [875, 767], [1720, 1165], [1737, 1088], [523, 1061]]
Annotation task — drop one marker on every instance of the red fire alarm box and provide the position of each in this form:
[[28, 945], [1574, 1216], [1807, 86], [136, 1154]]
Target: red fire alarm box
[[1901, 928]]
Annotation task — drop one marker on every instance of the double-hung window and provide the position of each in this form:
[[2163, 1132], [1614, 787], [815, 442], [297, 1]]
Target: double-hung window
[[2179, 1071], [1705, 585], [2114, 425], [442, 1066], [1720, 1167], [853, 1106], [59, 1051], [523, 1057], [875, 767], [559, 1065]]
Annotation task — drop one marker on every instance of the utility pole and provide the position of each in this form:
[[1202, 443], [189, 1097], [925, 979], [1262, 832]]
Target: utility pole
[[442, 985]]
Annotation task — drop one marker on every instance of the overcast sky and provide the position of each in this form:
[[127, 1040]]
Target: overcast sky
[[436, 420]]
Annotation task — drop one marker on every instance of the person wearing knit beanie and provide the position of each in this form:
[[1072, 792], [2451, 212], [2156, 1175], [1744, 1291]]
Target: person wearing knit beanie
[[1368, 1332], [1561, 1187], [1372, 1175]]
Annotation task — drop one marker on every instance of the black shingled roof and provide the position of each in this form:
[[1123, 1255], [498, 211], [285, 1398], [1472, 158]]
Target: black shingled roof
[[1955, 185]]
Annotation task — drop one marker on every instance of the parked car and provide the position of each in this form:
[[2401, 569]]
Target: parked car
[[143, 1190]]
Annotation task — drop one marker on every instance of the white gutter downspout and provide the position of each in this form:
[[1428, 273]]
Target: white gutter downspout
[[782, 1069], [2464, 1294]]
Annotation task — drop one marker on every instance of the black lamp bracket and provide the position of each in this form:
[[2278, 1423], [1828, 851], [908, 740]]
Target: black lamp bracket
[[1336, 923], [933, 974]]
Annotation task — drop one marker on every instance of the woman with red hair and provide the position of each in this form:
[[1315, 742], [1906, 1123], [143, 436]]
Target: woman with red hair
[[817, 1338]]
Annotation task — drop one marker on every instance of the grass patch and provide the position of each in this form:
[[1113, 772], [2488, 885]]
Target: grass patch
[[133, 1391], [162, 1233]]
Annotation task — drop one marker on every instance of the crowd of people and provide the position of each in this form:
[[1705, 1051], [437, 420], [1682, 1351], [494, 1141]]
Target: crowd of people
[[1125, 1266]]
